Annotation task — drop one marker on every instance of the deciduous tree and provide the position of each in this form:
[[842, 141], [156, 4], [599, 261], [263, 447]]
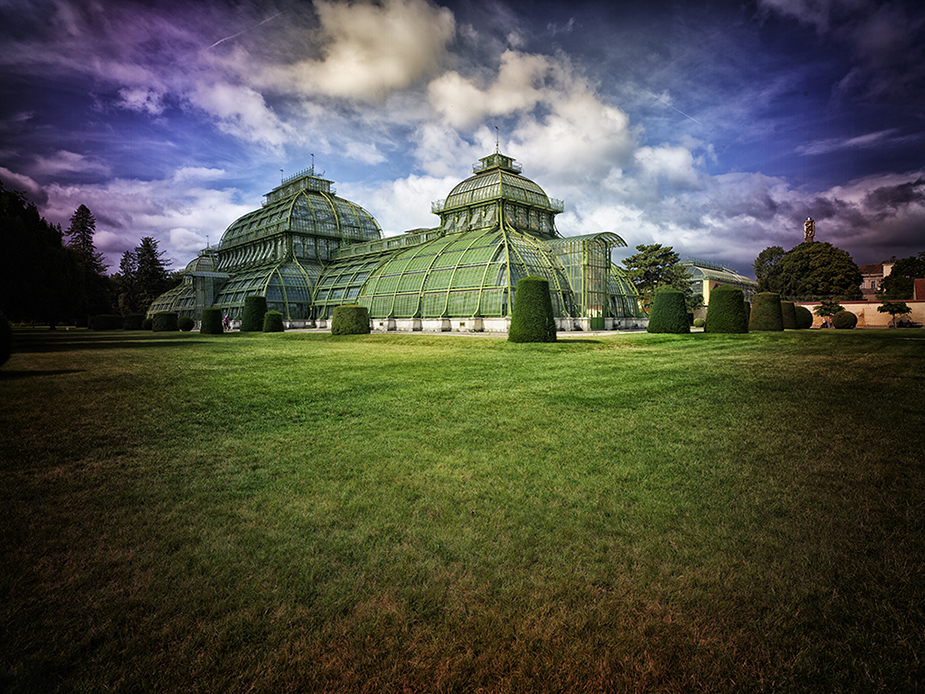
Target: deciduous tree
[[816, 269], [900, 282]]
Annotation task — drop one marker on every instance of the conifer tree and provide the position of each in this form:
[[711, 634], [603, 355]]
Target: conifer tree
[[151, 276]]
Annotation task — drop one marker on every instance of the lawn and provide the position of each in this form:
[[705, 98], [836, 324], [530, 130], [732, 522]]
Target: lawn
[[298, 512]]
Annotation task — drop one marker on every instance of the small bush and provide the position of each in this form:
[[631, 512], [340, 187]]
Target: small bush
[[185, 323], [211, 322], [669, 313], [147, 324], [350, 320], [726, 312], [6, 339], [273, 322], [133, 321], [106, 322], [165, 321], [699, 322], [532, 319], [255, 308], [803, 317], [766, 313], [844, 320]]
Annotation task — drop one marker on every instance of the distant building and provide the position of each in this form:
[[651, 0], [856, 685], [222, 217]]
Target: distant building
[[872, 275], [308, 251], [707, 276]]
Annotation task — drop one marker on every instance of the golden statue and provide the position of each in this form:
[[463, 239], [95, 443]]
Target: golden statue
[[809, 230]]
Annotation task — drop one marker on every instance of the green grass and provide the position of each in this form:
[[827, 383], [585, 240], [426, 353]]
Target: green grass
[[299, 512]]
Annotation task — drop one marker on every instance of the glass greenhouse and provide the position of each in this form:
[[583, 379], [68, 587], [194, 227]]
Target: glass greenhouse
[[309, 251]]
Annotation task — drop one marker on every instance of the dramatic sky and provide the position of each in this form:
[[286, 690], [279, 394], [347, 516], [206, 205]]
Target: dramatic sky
[[712, 127]]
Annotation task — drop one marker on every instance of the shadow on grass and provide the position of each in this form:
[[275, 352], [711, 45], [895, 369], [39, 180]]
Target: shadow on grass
[[62, 342], [14, 375]]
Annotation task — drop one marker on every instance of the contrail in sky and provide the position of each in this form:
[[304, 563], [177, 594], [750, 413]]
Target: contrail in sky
[[228, 38], [670, 106]]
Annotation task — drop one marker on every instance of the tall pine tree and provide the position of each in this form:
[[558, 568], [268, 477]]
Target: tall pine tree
[[151, 276], [94, 297]]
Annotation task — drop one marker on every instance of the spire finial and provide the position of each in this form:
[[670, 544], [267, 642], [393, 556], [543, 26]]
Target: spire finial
[[497, 141]]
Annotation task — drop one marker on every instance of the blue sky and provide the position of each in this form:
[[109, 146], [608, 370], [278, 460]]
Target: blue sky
[[713, 127]]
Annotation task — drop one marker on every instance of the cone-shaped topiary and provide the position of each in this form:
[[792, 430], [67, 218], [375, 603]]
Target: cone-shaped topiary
[[6, 339], [803, 316], [766, 313], [185, 323], [532, 318], [351, 319], [788, 315], [669, 313], [255, 307], [164, 321], [726, 312], [133, 321], [844, 320], [211, 322], [273, 322]]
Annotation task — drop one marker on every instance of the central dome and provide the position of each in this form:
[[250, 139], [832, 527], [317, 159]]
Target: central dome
[[499, 191]]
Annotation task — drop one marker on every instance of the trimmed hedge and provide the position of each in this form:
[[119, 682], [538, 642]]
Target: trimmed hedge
[[185, 323], [699, 322], [766, 313], [147, 324], [803, 316], [788, 315], [273, 322], [726, 312], [669, 313], [255, 308], [532, 319], [211, 322], [6, 339], [844, 320], [165, 321], [106, 321], [350, 319], [133, 321]]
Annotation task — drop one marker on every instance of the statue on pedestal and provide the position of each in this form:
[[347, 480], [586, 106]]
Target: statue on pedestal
[[809, 230]]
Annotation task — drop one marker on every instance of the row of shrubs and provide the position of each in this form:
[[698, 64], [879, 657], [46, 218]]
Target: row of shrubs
[[728, 312]]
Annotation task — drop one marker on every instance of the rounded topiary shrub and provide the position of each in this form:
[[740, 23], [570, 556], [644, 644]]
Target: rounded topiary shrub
[[669, 313], [803, 317], [699, 322], [6, 339], [165, 321], [147, 324], [532, 319], [106, 322], [766, 313], [255, 308], [726, 312], [273, 322], [133, 321], [211, 322], [185, 323], [844, 320], [351, 319], [787, 315]]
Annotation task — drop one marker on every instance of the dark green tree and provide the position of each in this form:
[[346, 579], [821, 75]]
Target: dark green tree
[[765, 313], [765, 262], [726, 312], [126, 284], [255, 308], [151, 276], [656, 266], [39, 275], [899, 283], [816, 269], [94, 293], [827, 309]]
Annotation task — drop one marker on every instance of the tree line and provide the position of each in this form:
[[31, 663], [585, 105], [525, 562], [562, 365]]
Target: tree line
[[48, 275]]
